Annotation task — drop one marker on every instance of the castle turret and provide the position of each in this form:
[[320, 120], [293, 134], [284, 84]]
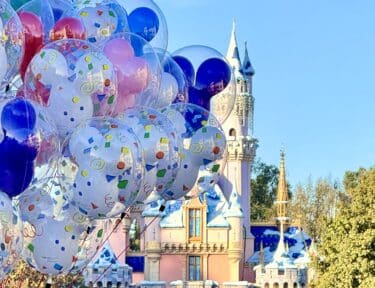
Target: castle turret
[[282, 195], [234, 216], [238, 130]]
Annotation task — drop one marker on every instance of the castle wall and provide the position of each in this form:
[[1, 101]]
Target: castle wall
[[172, 267], [173, 235], [218, 269]]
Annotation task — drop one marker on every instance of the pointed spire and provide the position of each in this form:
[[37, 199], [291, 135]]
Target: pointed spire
[[261, 254], [280, 250], [247, 68], [233, 55], [282, 190]]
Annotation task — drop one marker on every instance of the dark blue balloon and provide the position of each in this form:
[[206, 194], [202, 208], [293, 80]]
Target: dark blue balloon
[[144, 22], [18, 119], [200, 98], [19, 147], [213, 76], [57, 13], [187, 68]]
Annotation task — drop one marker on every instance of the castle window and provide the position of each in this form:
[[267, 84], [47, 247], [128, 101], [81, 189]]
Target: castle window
[[275, 285], [135, 236], [281, 272], [232, 132], [194, 268], [295, 285], [285, 285], [267, 285], [195, 224]]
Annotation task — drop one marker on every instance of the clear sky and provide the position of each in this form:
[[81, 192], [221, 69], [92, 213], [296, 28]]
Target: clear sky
[[315, 75]]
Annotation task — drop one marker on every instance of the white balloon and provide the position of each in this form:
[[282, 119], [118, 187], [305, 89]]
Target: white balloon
[[186, 177], [49, 65], [67, 107], [168, 90], [207, 144], [55, 247], [94, 193]]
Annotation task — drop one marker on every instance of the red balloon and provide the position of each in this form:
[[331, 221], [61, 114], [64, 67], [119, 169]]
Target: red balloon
[[68, 27], [33, 32]]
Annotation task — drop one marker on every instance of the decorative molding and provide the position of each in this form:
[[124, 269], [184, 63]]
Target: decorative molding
[[191, 248]]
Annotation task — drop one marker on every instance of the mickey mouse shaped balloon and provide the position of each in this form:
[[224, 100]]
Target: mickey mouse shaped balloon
[[208, 75]]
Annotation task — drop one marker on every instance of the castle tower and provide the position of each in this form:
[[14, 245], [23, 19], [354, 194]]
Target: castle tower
[[238, 128], [234, 216], [282, 195]]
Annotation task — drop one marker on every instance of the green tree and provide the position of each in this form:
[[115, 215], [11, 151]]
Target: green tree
[[347, 250]]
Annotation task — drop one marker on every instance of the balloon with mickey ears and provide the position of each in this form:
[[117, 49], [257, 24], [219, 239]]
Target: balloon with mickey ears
[[173, 85], [137, 68], [159, 142], [208, 75], [101, 18], [29, 143], [74, 81], [147, 21], [110, 167], [11, 43]]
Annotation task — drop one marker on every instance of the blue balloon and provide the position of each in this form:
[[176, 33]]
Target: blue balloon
[[187, 68], [57, 13], [144, 22], [213, 76], [16, 172], [18, 119], [19, 147]]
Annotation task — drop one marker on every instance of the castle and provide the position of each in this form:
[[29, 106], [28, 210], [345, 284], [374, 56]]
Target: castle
[[210, 237]]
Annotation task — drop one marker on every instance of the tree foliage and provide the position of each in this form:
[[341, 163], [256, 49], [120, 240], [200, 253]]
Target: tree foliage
[[23, 276], [347, 249]]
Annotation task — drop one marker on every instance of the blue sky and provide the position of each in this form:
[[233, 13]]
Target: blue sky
[[314, 82]]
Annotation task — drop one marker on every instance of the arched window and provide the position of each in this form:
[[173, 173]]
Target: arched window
[[295, 285], [135, 236], [232, 132], [267, 285], [275, 285], [285, 285]]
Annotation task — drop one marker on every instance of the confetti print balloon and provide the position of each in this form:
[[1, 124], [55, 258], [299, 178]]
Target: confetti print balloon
[[74, 81], [11, 239], [100, 18], [110, 166], [11, 43], [160, 147]]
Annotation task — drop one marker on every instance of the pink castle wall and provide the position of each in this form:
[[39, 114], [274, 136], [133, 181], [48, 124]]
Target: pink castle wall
[[218, 269], [172, 267]]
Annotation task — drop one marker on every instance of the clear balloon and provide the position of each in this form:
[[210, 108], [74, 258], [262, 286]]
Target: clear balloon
[[101, 18], [11, 239], [75, 82], [11, 43], [37, 20], [138, 70], [173, 85], [209, 76], [51, 246], [29, 145], [202, 147], [160, 147], [110, 167], [147, 21]]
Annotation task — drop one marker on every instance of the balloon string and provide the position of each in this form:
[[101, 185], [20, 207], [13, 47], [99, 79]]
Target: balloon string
[[124, 250]]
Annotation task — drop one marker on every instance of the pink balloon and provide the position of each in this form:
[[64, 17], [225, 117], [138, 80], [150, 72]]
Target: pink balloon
[[133, 76], [118, 50]]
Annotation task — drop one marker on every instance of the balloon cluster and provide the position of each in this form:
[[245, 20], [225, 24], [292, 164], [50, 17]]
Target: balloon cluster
[[102, 118]]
